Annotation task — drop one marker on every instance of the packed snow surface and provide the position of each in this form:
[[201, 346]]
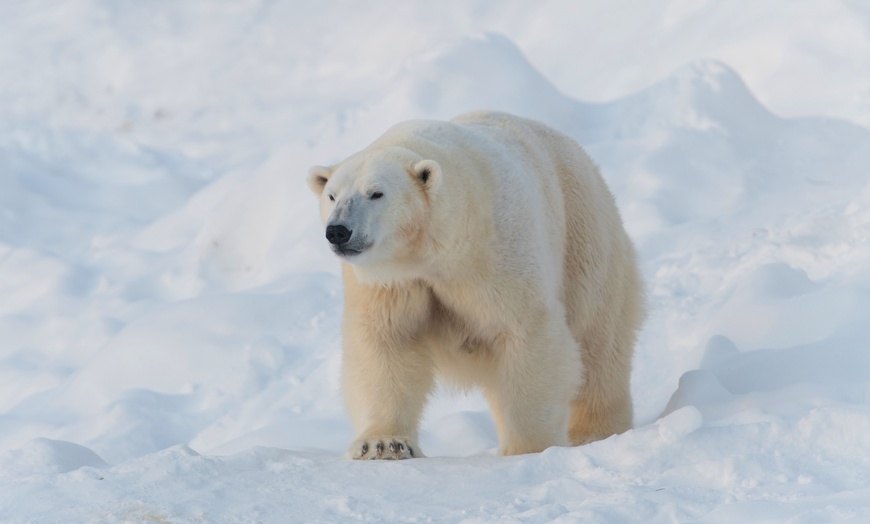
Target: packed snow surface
[[170, 312]]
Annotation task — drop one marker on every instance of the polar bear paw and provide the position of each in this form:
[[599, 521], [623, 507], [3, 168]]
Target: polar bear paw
[[383, 448]]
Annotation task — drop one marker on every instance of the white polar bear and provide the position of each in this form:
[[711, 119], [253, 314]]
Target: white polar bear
[[487, 251]]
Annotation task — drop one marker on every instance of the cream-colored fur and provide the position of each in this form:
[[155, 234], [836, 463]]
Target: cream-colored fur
[[486, 251]]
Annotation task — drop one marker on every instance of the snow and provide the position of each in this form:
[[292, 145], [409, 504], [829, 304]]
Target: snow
[[170, 315]]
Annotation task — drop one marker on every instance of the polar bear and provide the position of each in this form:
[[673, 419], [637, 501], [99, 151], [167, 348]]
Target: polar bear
[[487, 252]]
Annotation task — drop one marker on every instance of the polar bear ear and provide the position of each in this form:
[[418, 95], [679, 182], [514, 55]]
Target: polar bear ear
[[427, 173], [318, 176]]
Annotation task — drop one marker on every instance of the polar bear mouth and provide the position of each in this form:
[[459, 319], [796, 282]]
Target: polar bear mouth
[[345, 250]]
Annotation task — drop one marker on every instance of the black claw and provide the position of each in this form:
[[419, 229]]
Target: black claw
[[411, 450], [365, 448], [400, 446], [392, 447], [379, 447]]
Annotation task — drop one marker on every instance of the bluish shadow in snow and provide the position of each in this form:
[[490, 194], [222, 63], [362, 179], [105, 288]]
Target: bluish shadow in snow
[[779, 381], [44, 456]]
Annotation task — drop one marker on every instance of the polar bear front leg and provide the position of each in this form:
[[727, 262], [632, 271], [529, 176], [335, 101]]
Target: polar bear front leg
[[531, 397], [387, 370], [385, 392]]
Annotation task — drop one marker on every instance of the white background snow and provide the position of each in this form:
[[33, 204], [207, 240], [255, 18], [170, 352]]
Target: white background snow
[[169, 310]]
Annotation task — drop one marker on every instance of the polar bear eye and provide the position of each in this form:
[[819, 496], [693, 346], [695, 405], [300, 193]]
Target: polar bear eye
[[376, 195], [332, 198]]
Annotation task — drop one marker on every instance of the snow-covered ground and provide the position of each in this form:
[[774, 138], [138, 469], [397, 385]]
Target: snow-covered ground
[[169, 311]]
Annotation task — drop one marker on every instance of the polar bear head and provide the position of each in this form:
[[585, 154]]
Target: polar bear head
[[375, 207]]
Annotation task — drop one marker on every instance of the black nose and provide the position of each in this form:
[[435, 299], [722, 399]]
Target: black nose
[[338, 234]]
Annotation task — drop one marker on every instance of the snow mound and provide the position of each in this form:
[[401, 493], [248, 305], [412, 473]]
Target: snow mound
[[44, 456], [483, 72]]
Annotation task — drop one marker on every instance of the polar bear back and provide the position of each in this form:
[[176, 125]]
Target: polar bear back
[[553, 207]]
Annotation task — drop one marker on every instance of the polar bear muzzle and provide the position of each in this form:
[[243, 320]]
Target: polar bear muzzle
[[343, 241]]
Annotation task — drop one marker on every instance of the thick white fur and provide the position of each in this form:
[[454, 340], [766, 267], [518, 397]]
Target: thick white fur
[[497, 259]]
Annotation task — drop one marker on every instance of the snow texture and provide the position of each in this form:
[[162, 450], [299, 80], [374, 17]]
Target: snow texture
[[170, 313]]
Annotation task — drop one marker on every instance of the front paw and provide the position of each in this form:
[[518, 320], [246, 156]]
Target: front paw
[[383, 448]]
